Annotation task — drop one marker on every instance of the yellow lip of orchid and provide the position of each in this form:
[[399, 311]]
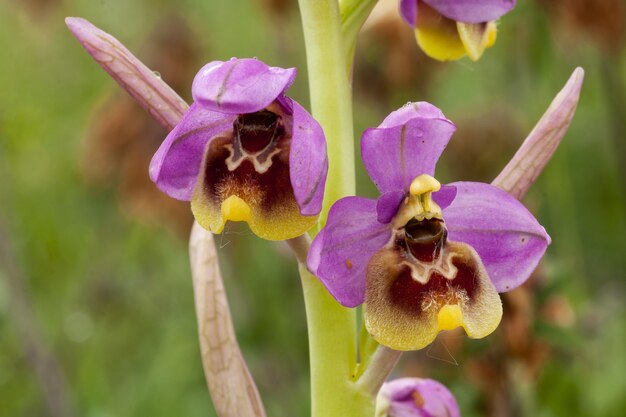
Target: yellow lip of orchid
[[406, 313]]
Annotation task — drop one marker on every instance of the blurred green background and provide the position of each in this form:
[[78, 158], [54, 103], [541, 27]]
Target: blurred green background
[[96, 304]]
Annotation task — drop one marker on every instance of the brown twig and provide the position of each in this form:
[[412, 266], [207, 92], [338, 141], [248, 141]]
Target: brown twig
[[232, 388]]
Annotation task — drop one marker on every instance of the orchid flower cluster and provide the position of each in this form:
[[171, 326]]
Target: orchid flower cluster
[[422, 258]]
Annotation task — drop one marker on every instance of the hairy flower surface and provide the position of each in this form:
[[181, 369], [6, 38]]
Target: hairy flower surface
[[416, 397], [245, 152], [424, 257], [450, 29]]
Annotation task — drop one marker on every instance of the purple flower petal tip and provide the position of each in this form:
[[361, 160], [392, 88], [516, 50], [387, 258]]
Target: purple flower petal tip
[[507, 237], [308, 161], [240, 85], [416, 397], [93, 39], [150, 92], [472, 11], [408, 11], [82, 29], [410, 111], [75, 24]]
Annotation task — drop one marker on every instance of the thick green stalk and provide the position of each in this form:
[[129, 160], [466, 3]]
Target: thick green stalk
[[331, 95], [332, 349], [331, 327]]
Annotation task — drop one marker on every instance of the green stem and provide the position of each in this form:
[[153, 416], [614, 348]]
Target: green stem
[[378, 369], [331, 327], [332, 349], [331, 94]]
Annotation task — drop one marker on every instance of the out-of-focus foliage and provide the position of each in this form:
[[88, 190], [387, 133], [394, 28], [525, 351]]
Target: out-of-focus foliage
[[108, 290]]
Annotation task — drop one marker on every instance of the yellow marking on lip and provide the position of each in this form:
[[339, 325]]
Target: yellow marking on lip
[[449, 317], [235, 209], [440, 41]]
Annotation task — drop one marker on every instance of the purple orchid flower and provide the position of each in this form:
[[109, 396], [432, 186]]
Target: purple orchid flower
[[450, 29], [416, 397], [245, 152], [424, 257]]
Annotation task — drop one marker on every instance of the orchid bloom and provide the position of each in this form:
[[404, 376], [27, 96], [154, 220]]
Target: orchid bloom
[[448, 30], [245, 152], [424, 257], [416, 397]]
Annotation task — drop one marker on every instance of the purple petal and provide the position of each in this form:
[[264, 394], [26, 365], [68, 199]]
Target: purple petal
[[308, 162], [472, 11], [437, 399], [240, 85], [505, 234], [388, 204], [408, 11], [176, 164], [445, 196], [394, 156], [340, 253]]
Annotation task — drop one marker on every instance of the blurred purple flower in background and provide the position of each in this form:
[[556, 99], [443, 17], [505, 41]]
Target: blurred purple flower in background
[[450, 29], [416, 397], [245, 152], [423, 257]]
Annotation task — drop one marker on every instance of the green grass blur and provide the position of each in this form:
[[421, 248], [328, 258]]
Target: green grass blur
[[110, 293]]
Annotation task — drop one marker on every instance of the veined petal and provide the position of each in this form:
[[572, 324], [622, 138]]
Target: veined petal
[[437, 35], [416, 397], [176, 164], [308, 162], [148, 90], [471, 11], [407, 302], [476, 37], [240, 85], [394, 156], [408, 11], [340, 253], [507, 237]]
